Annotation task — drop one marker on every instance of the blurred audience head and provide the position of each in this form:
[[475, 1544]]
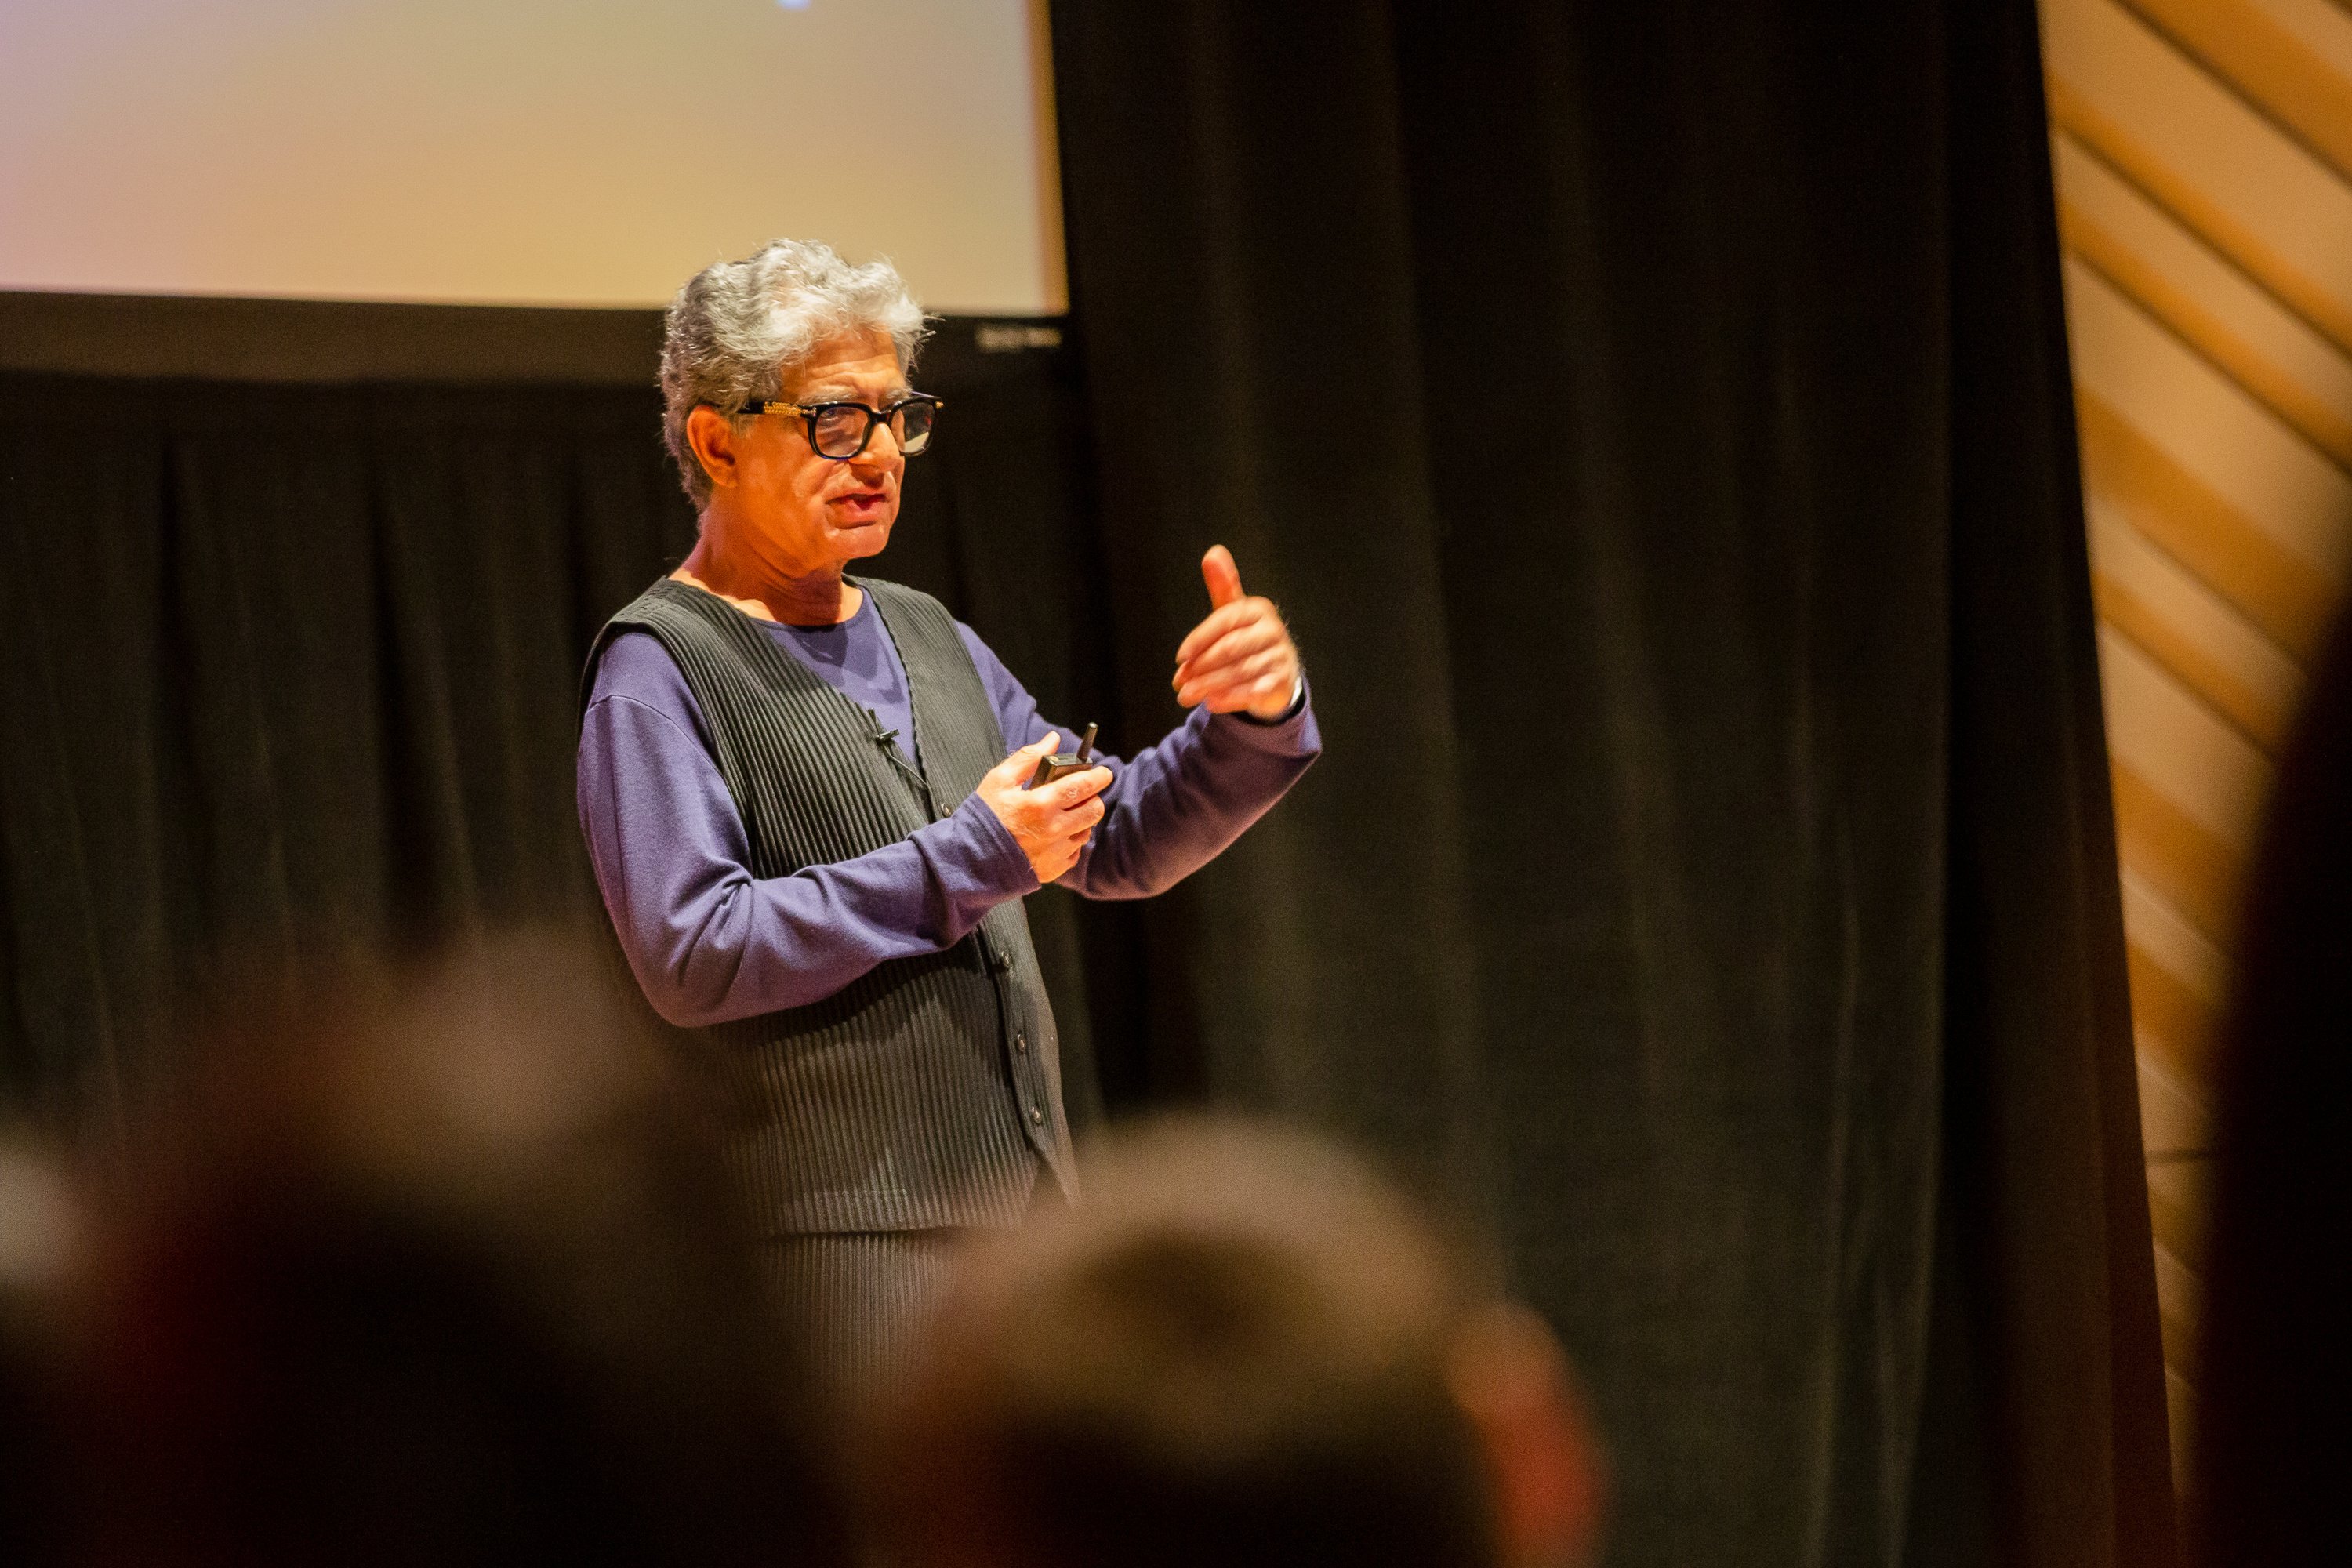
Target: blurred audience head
[[1244, 1348], [39, 1237], [427, 1266]]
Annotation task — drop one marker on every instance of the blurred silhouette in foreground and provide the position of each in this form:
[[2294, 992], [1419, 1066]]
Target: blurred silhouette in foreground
[[429, 1266], [1243, 1349], [2276, 1371], [38, 1242]]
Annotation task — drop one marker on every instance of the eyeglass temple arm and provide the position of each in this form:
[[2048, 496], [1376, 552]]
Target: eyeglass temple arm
[[778, 405]]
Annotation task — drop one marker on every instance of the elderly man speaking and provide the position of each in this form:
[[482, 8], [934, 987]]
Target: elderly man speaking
[[807, 798]]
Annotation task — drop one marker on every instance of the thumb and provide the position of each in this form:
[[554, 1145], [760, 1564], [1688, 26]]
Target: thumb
[[1017, 768], [1223, 578]]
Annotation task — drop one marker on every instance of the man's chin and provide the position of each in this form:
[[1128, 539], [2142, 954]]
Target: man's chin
[[864, 539]]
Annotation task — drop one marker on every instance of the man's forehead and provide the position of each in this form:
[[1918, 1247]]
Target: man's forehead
[[854, 364], [885, 385]]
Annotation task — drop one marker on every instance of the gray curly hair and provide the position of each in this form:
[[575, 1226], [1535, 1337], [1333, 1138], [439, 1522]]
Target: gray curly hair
[[740, 329]]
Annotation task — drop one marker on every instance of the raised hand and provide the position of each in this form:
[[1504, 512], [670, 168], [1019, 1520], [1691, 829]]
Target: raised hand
[[1241, 659], [1052, 822]]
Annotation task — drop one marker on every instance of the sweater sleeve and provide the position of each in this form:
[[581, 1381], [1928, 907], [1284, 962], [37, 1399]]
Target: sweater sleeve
[[708, 941], [1173, 806]]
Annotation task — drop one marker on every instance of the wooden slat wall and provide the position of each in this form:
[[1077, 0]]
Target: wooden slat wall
[[2203, 154]]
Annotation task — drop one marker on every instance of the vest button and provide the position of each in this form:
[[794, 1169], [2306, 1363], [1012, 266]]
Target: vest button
[[1036, 1117], [1021, 1043]]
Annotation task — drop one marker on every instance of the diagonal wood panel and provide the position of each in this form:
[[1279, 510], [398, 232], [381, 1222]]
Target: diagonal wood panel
[[2293, 58], [2202, 157], [2159, 729], [2178, 980], [2219, 310], [2254, 461], [2252, 191], [2194, 870], [2175, 1122], [2148, 486], [2195, 462], [2194, 632]]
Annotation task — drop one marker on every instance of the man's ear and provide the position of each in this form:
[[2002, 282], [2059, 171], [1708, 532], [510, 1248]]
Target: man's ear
[[1511, 1379], [712, 438]]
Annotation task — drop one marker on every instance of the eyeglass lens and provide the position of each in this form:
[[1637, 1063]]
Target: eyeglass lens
[[839, 429]]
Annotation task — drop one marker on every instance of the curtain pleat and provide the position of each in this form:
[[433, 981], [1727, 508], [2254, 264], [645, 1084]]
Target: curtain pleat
[[1657, 422]]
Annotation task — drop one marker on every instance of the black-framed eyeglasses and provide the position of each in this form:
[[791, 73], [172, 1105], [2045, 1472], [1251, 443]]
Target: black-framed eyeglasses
[[841, 430]]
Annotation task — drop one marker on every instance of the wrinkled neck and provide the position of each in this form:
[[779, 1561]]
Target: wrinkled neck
[[750, 573]]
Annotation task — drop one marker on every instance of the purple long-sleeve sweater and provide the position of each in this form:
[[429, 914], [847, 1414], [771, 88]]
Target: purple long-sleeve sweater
[[709, 942]]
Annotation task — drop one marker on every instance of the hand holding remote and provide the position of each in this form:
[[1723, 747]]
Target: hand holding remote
[[1052, 821], [1064, 763]]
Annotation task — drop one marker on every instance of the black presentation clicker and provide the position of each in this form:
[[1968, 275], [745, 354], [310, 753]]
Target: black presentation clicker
[[1053, 767]]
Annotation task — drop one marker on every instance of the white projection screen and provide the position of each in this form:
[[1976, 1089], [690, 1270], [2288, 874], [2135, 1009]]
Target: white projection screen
[[523, 152]]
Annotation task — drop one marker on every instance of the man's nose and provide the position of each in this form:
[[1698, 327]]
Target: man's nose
[[882, 449]]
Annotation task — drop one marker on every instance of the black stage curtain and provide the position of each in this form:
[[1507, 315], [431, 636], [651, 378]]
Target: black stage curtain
[[1656, 420], [291, 667]]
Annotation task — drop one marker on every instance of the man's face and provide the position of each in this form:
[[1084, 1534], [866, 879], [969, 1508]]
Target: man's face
[[809, 513]]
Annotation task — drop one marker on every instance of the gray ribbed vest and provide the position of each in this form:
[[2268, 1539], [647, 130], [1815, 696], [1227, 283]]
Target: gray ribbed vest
[[915, 1096]]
